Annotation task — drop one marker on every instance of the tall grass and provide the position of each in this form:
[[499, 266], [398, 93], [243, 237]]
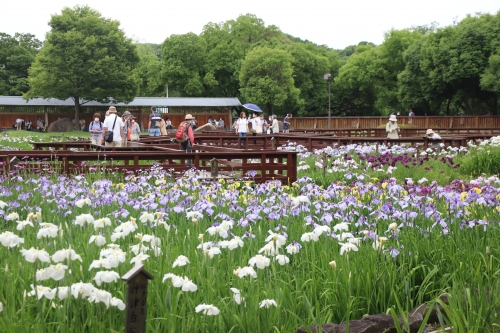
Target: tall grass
[[482, 160]]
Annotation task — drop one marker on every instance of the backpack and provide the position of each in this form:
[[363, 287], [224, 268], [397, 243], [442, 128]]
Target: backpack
[[182, 135]]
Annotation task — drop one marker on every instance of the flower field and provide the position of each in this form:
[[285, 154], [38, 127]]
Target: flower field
[[358, 234]]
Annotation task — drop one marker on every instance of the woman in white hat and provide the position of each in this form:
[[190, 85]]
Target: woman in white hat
[[431, 135], [392, 128]]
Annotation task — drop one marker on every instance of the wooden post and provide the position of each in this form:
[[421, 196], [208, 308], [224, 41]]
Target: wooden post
[[214, 165], [46, 116], [136, 302], [324, 164], [13, 166], [141, 119]]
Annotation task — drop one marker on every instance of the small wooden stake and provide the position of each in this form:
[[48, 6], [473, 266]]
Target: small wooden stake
[[214, 164], [324, 164], [136, 302]]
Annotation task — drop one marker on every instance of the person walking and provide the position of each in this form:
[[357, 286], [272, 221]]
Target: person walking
[[95, 129], [187, 141], [115, 124], [287, 123], [410, 116], [242, 127], [19, 124], [154, 122], [263, 123], [275, 126], [392, 128], [131, 128], [163, 127]]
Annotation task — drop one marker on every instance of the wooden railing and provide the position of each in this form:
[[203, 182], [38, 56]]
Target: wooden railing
[[420, 122], [267, 165], [267, 142], [8, 119], [404, 132]]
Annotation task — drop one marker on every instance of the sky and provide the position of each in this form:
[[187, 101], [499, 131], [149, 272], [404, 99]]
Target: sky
[[334, 23]]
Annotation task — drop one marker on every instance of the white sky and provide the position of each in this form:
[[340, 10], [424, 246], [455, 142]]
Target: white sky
[[336, 23]]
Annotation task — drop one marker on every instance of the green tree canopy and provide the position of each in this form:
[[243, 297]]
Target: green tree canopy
[[16, 55], [266, 77], [85, 57], [149, 70], [443, 73], [183, 59], [227, 45]]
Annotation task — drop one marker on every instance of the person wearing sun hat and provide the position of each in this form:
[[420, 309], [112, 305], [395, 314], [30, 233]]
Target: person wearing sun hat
[[392, 128], [430, 134], [188, 144], [115, 124], [131, 129]]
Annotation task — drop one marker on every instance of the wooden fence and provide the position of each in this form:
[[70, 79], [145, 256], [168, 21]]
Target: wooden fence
[[419, 122], [8, 119], [85, 157]]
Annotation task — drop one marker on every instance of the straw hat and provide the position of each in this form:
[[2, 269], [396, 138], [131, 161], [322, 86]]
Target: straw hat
[[393, 118], [429, 131], [188, 117], [112, 109]]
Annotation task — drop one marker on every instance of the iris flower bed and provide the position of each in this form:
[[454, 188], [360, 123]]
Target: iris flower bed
[[239, 256], [234, 256]]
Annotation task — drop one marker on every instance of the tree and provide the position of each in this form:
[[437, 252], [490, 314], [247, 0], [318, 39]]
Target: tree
[[391, 63], [85, 57], [16, 56], [266, 77], [354, 90], [309, 67], [183, 59], [227, 45], [149, 70], [443, 73]]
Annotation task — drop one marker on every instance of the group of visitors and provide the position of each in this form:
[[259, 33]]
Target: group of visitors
[[259, 125], [126, 128], [214, 122], [28, 125], [392, 130]]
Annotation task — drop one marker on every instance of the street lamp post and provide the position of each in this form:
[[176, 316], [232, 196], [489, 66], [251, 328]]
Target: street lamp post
[[328, 78]]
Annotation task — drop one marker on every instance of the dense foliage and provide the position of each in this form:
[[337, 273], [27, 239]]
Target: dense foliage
[[16, 55], [85, 57], [449, 70]]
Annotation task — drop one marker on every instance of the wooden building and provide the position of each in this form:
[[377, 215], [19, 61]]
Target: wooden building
[[175, 108]]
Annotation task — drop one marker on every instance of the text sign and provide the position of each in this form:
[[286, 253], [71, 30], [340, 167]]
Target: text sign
[[136, 302]]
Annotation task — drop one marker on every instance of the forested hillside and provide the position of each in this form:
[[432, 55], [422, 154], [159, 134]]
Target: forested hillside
[[433, 70]]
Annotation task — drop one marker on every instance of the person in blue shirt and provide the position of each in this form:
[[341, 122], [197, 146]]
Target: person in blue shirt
[[286, 123], [95, 129], [154, 122]]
